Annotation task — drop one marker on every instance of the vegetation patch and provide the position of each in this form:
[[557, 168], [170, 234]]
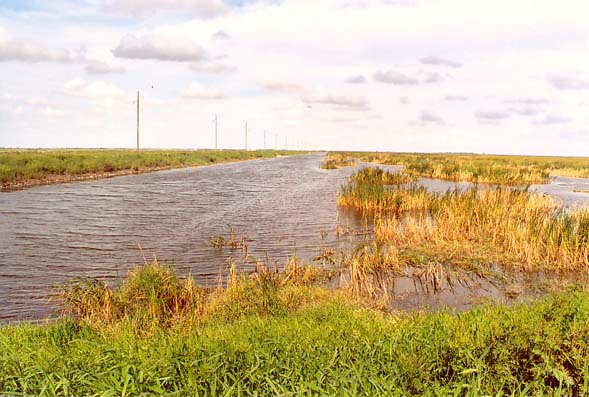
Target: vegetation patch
[[335, 161], [24, 168], [491, 169], [508, 227], [268, 334]]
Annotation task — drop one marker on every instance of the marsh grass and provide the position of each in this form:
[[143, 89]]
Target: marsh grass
[[269, 332], [335, 161], [153, 297], [491, 169], [510, 227], [327, 346], [22, 167]]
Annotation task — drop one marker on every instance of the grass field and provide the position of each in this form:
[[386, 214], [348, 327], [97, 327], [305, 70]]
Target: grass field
[[283, 334], [23, 168], [494, 169]]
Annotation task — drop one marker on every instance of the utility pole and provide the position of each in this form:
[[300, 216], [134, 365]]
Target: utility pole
[[245, 136], [286, 142], [137, 120], [216, 132], [275, 141], [264, 139]]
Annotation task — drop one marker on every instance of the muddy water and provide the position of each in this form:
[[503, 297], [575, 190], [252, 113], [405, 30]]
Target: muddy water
[[282, 206], [52, 233]]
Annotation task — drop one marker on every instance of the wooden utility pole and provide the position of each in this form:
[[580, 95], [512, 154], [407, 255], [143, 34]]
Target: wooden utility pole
[[245, 136], [264, 139], [137, 120], [216, 132]]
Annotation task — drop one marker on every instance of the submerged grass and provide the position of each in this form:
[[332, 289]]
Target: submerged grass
[[267, 334], [335, 161], [28, 167], [492, 169], [516, 228]]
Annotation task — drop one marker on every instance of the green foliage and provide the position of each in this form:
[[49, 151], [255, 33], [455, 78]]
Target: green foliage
[[493, 169], [25, 165], [324, 349]]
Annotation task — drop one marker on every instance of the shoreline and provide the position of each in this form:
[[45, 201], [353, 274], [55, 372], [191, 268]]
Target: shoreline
[[56, 179]]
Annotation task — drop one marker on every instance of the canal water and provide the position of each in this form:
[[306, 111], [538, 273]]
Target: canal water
[[49, 234], [282, 207]]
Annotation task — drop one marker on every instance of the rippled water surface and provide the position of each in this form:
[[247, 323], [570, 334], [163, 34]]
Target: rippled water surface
[[282, 206], [52, 233]]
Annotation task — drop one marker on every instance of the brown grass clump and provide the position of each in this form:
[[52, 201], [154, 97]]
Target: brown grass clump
[[528, 230]]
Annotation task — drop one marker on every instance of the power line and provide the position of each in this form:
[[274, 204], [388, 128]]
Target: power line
[[216, 132]]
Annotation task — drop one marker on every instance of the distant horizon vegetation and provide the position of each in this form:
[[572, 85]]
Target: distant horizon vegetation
[[15, 148]]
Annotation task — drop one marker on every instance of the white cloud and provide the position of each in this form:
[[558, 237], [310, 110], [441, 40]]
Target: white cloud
[[98, 89], [196, 91], [433, 78], [99, 67], [439, 61], [221, 35], [159, 48], [270, 39], [525, 111], [213, 68], [38, 101], [393, 77], [456, 97], [27, 51], [430, 117], [356, 79], [491, 115], [569, 82], [341, 99], [529, 101], [201, 8], [278, 85], [52, 111], [553, 119]]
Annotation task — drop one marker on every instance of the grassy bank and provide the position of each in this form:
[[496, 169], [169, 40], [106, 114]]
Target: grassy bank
[[284, 334], [24, 168], [494, 169]]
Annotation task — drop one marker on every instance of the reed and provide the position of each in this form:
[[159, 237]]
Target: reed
[[517, 228], [366, 192], [153, 297], [335, 161], [491, 169]]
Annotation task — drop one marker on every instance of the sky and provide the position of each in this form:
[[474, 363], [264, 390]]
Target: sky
[[502, 76]]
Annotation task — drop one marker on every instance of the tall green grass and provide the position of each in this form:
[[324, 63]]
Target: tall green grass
[[326, 348]]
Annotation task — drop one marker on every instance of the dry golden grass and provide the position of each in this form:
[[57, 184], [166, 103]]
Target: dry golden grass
[[516, 228]]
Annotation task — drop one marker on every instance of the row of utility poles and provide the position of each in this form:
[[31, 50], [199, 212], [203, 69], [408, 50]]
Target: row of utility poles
[[217, 132]]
